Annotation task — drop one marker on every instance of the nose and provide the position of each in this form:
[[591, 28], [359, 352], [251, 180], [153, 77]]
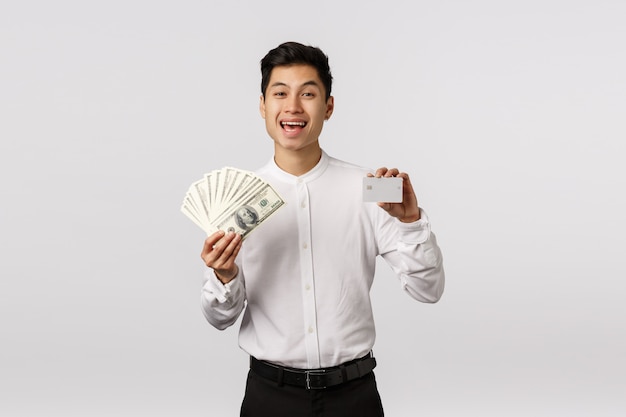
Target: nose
[[293, 104]]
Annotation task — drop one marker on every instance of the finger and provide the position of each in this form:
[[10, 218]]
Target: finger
[[237, 248], [392, 172], [210, 242], [225, 265], [213, 254], [231, 248], [223, 243], [406, 182], [407, 187], [405, 177], [380, 172]]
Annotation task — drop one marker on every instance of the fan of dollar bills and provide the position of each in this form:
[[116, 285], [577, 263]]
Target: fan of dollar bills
[[230, 199]]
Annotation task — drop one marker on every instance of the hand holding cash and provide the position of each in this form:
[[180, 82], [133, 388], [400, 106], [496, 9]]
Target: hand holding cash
[[231, 200]]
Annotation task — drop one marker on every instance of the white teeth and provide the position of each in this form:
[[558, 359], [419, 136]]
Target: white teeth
[[293, 123]]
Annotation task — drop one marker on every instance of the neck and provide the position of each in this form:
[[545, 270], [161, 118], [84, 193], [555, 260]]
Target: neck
[[297, 162]]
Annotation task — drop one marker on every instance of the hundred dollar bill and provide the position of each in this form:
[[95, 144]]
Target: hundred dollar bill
[[189, 210], [230, 199], [198, 193], [250, 212], [234, 177], [216, 187], [252, 189]]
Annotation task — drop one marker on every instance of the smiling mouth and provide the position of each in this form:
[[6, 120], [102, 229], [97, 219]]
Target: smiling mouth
[[291, 125]]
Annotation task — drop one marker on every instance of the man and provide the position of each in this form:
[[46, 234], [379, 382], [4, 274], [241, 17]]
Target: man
[[303, 278]]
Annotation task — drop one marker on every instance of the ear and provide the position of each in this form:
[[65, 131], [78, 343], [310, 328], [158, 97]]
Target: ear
[[330, 106], [262, 106]]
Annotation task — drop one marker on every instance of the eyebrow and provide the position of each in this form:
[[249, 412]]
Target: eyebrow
[[282, 84]]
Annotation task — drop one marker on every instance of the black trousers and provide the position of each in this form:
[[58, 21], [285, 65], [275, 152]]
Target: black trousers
[[357, 398]]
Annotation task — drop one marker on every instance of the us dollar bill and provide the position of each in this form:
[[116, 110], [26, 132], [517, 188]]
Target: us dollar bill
[[230, 199], [247, 213]]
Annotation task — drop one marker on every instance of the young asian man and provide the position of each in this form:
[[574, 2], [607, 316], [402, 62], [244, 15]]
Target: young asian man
[[303, 279]]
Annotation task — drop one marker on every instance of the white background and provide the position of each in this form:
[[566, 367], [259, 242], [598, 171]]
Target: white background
[[508, 115]]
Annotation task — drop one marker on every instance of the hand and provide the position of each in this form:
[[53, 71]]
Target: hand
[[219, 252], [408, 211]]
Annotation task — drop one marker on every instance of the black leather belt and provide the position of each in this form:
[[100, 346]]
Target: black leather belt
[[314, 378]]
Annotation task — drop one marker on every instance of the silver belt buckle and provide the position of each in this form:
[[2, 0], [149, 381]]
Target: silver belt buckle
[[308, 378]]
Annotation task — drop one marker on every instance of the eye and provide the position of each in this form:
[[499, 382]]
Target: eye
[[308, 94], [280, 94]]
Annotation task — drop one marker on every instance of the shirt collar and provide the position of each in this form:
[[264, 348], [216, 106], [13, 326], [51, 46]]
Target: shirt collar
[[309, 176]]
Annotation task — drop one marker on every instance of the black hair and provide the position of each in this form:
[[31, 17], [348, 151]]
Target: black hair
[[290, 53]]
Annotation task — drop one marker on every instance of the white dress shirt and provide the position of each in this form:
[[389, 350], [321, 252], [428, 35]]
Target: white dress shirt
[[305, 274]]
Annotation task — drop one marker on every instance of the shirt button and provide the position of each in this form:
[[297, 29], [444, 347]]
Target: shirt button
[[303, 205], [310, 329], [304, 245], [307, 287]]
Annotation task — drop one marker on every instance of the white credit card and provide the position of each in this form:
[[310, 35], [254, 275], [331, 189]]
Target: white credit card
[[382, 190]]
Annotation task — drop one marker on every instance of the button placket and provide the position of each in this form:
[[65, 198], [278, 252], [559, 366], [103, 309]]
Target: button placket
[[306, 265]]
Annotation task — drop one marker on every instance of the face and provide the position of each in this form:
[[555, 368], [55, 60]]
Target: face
[[246, 216], [295, 108]]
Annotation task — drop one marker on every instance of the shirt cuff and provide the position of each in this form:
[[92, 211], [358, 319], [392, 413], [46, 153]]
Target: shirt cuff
[[222, 292], [416, 232]]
